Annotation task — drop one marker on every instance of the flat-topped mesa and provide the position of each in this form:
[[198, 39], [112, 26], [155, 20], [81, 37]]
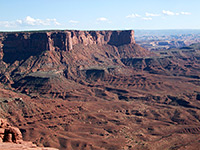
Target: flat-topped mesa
[[62, 40]]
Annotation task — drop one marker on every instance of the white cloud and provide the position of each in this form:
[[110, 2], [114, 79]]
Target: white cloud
[[133, 16], [52, 21], [147, 18], [47, 22], [4, 23], [102, 19], [56, 22], [169, 13], [29, 21], [185, 13], [19, 21], [152, 15], [10, 24], [73, 21]]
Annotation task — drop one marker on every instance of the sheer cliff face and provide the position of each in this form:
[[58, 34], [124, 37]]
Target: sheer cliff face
[[67, 39], [31, 43], [63, 40]]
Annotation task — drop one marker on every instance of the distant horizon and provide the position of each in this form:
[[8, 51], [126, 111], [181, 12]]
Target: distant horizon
[[91, 30]]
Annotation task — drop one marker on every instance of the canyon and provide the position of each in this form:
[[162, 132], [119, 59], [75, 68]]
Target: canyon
[[99, 90]]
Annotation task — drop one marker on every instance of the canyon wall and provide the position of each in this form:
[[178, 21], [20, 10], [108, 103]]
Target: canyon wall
[[62, 40], [32, 43]]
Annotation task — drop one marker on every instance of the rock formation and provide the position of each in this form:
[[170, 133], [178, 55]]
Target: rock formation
[[63, 40], [9, 133], [32, 43], [10, 136]]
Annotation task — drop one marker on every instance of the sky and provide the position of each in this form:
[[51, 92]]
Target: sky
[[17, 15]]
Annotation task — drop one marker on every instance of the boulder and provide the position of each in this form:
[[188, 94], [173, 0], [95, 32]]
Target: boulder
[[12, 134]]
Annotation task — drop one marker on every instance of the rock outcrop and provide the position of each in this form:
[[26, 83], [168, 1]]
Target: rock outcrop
[[8, 133], [32, 43], [11, 138], [12, 134]]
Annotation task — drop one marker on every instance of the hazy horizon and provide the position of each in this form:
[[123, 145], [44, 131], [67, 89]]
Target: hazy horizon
[[138, 32]]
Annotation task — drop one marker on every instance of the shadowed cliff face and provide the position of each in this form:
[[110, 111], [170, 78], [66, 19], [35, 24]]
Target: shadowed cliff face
[[18, 46], [120, 38]]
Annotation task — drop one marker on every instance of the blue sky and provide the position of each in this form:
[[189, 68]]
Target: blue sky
[[99, 14]]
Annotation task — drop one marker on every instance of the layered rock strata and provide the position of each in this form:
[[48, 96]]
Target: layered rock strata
[[62, 40], [32, 43]]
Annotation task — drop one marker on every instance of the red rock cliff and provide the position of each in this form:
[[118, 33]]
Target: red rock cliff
[[63, 40], [32, 43]]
